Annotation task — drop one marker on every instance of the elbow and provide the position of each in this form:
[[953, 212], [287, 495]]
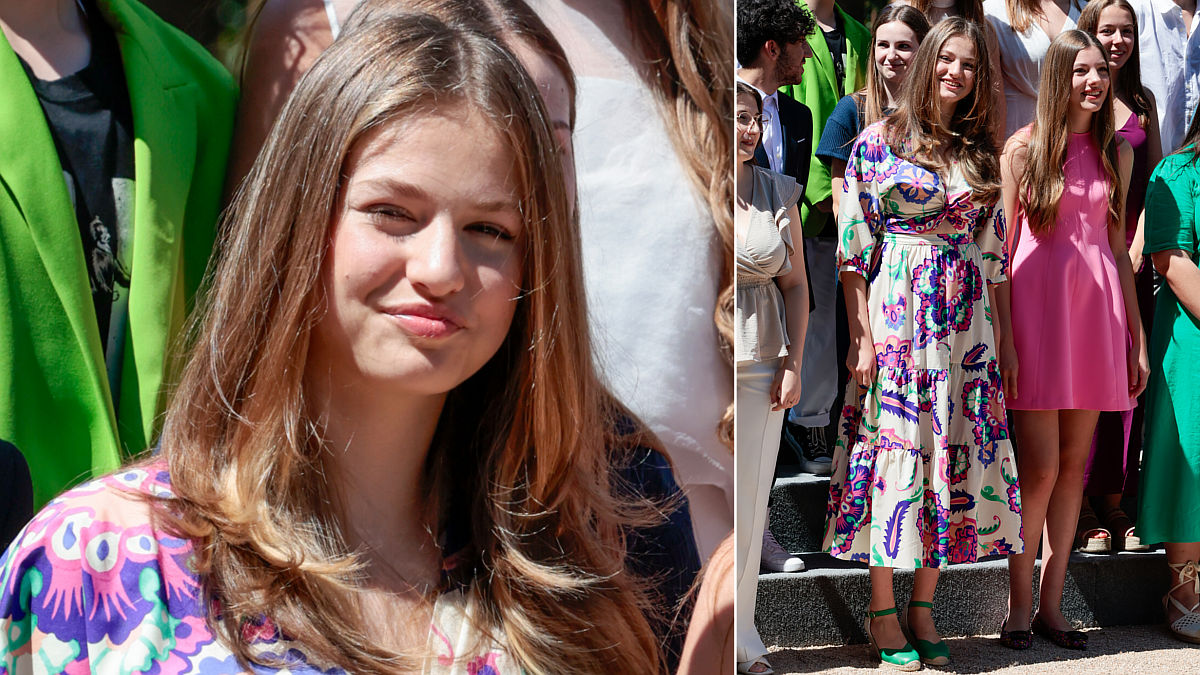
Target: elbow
[[1162, 261]]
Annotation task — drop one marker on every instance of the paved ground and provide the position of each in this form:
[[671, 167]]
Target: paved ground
[[1120, 650]]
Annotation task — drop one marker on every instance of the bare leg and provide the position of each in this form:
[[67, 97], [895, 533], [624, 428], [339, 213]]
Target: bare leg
[[1037, 466], [920, 619], [1178, 554], [885, 629], [1075, 430]]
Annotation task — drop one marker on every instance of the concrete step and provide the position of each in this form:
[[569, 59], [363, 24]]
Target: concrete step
[[798, 502], [826, 603], [798, 509]]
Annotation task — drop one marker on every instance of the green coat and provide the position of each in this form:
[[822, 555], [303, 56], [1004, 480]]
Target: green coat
[[818, 91], [55, 402]]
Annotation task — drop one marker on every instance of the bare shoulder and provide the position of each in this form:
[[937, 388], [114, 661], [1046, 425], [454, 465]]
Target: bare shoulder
[[1017, 146]]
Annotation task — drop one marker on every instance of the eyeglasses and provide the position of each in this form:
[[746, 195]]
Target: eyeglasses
[[745, 119]]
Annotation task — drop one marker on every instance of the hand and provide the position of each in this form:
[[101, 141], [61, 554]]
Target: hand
[[1139, 369], [1008, 367], [860, 359], [785, 390]]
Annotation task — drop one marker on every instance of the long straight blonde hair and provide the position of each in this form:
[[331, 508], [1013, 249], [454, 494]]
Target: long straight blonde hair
[[1041, 184], [916, 132], [524, 449]]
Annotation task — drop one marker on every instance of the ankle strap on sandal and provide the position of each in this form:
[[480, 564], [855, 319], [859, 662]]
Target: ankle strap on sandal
[[882, 612], [920, 603], [1188, 572]]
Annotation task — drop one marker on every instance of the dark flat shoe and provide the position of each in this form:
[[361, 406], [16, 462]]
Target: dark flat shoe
[[1067, 639], [1015, 639]]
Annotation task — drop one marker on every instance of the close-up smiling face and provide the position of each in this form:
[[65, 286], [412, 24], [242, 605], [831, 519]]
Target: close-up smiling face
[[955, 69], [1117, 34], [1089, 80], [424, 265], [895, 44]]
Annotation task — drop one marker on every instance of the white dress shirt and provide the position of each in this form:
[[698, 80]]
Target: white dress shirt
[[1170, 65]]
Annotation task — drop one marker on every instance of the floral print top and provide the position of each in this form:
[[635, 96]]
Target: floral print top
[[887, 194], [91, 586]]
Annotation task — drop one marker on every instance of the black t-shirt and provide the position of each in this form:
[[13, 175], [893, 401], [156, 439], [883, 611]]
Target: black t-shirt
[[835, 40], [90, 120]]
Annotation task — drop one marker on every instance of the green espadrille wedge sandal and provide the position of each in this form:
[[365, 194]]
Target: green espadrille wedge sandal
[[931, 653], [905, 658]]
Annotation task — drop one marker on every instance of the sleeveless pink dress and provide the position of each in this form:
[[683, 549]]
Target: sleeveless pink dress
[[1068, 314]]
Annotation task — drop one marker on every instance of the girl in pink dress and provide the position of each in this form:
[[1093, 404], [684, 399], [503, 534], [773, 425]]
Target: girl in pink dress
[[1076, 330]]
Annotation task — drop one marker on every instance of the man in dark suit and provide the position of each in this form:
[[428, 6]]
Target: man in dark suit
[[772, 44], [771, 48]]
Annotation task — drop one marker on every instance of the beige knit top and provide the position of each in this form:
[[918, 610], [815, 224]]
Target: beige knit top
[[759, 322]]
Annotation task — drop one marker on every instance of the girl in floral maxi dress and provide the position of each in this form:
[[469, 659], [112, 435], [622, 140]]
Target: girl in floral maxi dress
[[923, 471]]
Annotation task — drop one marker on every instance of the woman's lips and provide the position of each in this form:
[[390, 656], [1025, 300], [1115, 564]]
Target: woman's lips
[[426, 321]]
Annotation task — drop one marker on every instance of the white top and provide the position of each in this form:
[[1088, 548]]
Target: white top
[[1022, 55], [652, 262], [1170, 65], [772, 133]]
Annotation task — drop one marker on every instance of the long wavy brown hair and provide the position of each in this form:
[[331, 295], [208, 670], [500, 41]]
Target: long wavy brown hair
[[873, 95], [529, 439], [1040, 186], [1128, 82], [916, 131], [688, 46], [1022, 14]]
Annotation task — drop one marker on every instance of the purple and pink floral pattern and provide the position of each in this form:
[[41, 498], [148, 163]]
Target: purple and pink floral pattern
[[923, 471], [90, 585]]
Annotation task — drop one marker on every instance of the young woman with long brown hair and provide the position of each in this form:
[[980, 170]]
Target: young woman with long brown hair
[[389, 449], [972, 10], [922, 263], [1076, 328], [1112, 464], [895, 35], [652, 79]]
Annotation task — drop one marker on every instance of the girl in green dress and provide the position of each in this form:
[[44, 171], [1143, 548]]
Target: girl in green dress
[[1170, 509]]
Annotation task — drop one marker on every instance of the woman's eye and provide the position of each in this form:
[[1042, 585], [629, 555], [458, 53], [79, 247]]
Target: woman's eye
[[389, 213], [492, 230]]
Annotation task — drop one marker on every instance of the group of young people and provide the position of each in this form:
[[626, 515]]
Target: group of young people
[[998, 180], [391, 413]]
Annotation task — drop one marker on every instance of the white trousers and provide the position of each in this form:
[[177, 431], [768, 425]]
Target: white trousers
[[757, 446]]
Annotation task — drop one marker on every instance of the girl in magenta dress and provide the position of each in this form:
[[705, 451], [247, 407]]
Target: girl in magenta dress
[[1112, 467], [1076, 330]]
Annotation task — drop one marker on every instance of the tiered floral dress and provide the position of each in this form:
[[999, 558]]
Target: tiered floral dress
[[91, 586], [923, 471]]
